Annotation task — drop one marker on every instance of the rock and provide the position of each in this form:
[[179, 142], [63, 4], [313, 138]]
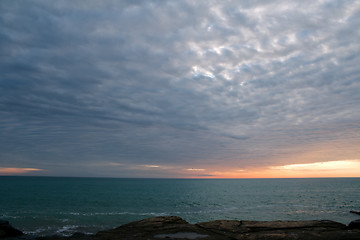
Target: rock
[[6, 230], [256, 226], [354, 224], [356, 212], [278, 229], [172, 227], [78, 235], [176, 228], [186, 235], [157, 222]]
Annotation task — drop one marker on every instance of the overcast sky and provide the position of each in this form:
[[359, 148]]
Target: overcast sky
[[181, 88]]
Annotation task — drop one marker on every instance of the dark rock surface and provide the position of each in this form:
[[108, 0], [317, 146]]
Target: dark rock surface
[[176, 228], [354, 224], [6, 230], [281, 229], [355, 212], [172, 227]]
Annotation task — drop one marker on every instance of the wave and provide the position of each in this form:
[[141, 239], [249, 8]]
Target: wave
[[151, 213]]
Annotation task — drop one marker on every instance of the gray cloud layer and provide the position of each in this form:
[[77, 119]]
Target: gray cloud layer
[[176, 83]]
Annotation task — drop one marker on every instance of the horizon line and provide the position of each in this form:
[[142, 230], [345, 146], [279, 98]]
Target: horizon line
[[174, 178]]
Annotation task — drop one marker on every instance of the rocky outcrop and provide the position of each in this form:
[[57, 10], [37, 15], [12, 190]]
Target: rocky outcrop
[[354, 224], [172, 227], [355, 212], [6, 230], [176, 228], [253, 230]]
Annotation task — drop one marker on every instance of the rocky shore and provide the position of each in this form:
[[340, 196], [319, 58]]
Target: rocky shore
[[173, 227]]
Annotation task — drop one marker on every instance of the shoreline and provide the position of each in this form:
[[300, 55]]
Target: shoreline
[[174, 227]]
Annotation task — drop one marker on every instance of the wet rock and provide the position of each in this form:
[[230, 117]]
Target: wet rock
[[6, 230]]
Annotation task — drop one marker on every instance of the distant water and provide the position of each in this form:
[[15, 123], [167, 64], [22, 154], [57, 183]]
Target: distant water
[[52, 205]]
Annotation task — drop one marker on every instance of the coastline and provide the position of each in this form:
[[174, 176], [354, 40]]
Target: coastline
[[174, 227]]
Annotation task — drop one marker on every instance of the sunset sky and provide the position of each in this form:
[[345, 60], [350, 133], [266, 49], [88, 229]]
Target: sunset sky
[[194, 89]]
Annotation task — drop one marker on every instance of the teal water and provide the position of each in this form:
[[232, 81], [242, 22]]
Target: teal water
[[52, 205]]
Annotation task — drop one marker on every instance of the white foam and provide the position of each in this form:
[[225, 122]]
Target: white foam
[[67, 230], [118, 213], [37, 231]]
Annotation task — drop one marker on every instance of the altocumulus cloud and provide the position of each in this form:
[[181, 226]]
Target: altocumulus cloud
[[182, 84]]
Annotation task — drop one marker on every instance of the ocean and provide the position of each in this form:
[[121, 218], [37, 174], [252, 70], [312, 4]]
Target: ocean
[[56, 205]]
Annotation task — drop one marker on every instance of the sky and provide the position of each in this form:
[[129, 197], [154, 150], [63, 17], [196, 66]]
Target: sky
[[180, 89]]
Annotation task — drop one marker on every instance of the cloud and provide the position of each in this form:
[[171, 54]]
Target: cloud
[[151, 166], [339, 168], [12, 171], [341, 165], [178, 83]]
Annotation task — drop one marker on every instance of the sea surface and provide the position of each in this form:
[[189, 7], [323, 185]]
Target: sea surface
[[55, 205]]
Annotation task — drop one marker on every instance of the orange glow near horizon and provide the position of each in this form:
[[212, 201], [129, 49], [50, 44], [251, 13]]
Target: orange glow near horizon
[[324, 169], [342, 168], [12, 171]]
